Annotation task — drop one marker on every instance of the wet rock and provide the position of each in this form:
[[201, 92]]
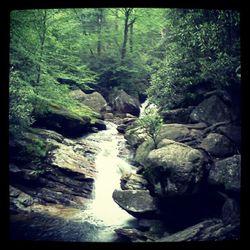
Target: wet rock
[[132, 234], [133, 181], [66, 159], [122, 128], [19, 200], [135, 235], [66, 176], [99, 124], [138, 203], [227, 173], [174, 168], [218, 145], [212, 229], [210, 111], [125, 123], [108, 116], [135, 136]]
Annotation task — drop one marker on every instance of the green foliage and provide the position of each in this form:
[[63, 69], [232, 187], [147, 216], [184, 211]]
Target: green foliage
[[58, 95], [151, 122], [198, 46], [20, 107], [36, 149]]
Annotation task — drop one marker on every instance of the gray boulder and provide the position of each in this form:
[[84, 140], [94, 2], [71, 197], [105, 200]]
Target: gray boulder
[[227, 173], [210, 111], [63, 121], [218, 145], [133, 181], [208, 230], [232, 132], [174, 132], [94, 100], [124, 103], [180, 115], [174, 168], [143, 150], [138, 203]]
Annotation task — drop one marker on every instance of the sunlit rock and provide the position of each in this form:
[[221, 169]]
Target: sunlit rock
[[138, 203], [174, 168]]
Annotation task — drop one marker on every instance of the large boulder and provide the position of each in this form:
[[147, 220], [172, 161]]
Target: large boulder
[[218, 145], [94, 100], [210, 111], [232, 132], [133, 181], [124, 103], [63, 122], [138, 203], [180, 115], [174, 168], [64, 177], [143, 150], [226, 173], [207, 230], [174, 132]]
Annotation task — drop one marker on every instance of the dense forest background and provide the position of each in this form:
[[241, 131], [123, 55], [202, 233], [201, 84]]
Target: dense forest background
[[158, 53], [149, 98]]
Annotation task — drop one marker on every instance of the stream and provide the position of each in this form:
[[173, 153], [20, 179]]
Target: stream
[[110, 164], [97, 221]]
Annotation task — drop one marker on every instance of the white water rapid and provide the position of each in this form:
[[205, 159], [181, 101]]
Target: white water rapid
[[103, 211]]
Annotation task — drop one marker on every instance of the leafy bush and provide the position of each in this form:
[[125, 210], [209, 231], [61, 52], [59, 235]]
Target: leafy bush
[[20, 107], [151, 122]]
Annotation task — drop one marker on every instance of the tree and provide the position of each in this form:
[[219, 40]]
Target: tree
[[128, 22], [195, 49], [151, 122]]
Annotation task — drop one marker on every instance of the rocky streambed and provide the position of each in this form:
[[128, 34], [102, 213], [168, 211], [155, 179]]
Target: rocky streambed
[[94, 189]]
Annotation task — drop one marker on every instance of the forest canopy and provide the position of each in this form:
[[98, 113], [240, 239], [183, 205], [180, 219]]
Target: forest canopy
[[168, 50]]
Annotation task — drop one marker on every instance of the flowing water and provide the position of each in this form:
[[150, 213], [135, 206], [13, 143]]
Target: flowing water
[[103, 211], [97, 222]]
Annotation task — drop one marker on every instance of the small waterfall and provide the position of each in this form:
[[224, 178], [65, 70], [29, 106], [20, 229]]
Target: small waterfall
[[103, 211], [147, 106]]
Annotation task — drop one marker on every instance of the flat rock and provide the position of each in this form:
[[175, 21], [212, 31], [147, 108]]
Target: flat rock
[[138, 203]]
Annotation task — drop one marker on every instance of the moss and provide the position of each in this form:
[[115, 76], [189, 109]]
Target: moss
[[42, 106], [143, 151], [34, 148]]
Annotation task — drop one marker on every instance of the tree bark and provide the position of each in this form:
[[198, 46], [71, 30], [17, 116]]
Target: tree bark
[[127, 24], [131, 41], [42, 37], [100, 24], [125, 33]]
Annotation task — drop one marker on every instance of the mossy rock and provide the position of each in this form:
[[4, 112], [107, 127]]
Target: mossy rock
[[143, 150]]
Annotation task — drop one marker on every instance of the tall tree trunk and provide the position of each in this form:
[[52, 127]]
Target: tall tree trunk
[[42, 37], [127, 24], [131, 41], [100, 24], [125, 34]]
